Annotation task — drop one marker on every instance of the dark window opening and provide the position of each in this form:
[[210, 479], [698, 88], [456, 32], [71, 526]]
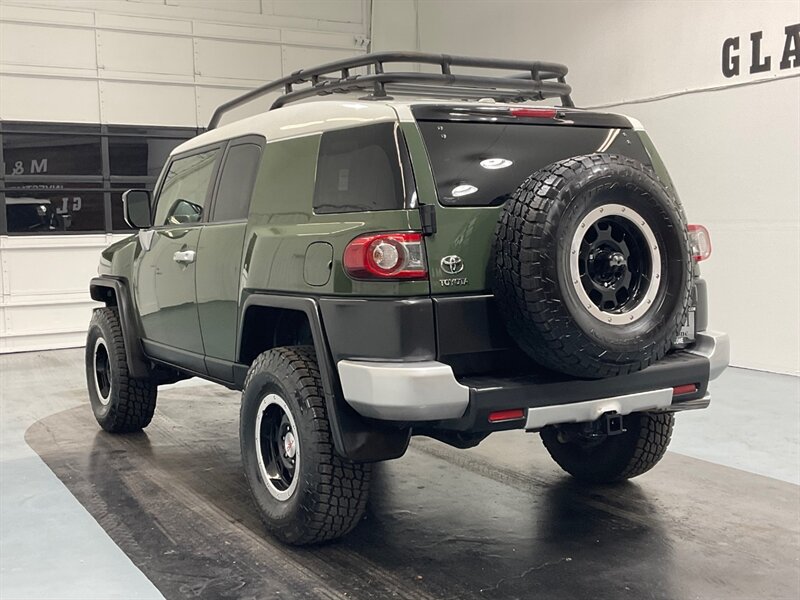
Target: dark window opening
[[359, 170], [482, 164], [236, 182], [31, 154], [54, 208], [142, 157], [64, 178]]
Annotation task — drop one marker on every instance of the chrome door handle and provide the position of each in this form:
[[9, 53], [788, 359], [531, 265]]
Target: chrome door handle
[[185, 257]]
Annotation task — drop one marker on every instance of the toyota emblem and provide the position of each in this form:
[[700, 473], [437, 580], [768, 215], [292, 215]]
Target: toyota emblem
[[452, 264]]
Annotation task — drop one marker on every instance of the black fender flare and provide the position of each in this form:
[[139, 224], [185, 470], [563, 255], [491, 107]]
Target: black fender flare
[[99, 287], [354, 437]]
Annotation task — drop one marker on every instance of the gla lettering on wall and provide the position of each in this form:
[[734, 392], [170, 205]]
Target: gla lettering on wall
[[760, 63]]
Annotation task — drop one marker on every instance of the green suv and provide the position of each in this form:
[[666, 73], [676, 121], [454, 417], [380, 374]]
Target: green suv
[[431, 254]]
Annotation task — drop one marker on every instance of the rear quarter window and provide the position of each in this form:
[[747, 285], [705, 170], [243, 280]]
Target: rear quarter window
[[358, 169]]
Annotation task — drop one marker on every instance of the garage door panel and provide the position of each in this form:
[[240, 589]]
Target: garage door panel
[[47, 46], [147, 104], [145, 53], [238, 60]]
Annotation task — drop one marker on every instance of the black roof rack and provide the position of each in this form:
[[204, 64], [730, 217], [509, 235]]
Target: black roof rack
[[533, 80]]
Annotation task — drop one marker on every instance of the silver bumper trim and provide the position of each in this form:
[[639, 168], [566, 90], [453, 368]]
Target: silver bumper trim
[[714, 346], [591, 410], [695, 404], [416, 391]]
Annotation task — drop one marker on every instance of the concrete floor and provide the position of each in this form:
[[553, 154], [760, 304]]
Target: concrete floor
[[88, 515]]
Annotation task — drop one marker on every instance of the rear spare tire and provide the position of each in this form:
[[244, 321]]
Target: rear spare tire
[[592, 267]]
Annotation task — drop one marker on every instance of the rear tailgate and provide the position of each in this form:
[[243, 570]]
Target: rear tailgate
[[468, 161]]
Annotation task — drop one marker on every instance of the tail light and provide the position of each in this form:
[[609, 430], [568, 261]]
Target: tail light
[[700, 242], [386, 256]]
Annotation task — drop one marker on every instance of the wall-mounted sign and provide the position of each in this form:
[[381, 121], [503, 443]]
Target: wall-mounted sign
[[760, 61]]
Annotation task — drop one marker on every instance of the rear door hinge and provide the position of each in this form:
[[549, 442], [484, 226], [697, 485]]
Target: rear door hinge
[[427, 216]]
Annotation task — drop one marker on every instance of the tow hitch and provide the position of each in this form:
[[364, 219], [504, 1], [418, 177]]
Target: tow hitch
[[611, 423]]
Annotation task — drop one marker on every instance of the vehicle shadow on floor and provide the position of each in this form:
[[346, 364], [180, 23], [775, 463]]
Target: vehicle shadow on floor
[[175, 500], [441, 523]]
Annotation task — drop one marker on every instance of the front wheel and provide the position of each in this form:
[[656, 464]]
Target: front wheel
[[610, 458], [306, 494], [120, 403]]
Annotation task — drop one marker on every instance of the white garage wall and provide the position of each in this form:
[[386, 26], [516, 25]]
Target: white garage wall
[[136, 62], [732, 144]]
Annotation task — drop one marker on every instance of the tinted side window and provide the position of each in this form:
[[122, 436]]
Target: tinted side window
[[358, 169], [185, 189], [236, 184]]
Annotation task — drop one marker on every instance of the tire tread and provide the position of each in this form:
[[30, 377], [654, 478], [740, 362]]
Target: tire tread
[[339, 498], [525, 242], [618, 458], [133, 408]]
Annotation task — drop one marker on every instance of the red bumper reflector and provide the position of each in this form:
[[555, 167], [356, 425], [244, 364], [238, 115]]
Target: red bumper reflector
[[689, 388], [506, 415]]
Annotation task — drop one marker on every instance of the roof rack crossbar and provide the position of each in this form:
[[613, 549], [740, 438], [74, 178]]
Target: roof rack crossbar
[[534, 80]]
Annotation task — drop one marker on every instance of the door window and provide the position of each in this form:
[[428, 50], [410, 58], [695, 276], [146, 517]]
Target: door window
[[185, 189], [236, 184]]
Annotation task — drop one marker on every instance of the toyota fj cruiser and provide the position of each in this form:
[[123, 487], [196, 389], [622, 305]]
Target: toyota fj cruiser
[[451, 264]]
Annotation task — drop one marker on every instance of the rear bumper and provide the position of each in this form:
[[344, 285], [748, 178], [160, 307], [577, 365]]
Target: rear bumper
[[413, 391], [714, 346], [428, 391]]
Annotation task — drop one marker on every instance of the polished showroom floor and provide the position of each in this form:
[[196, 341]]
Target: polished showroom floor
[[166, 513]]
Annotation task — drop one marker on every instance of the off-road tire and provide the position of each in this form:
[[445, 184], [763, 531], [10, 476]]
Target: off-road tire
[[130, 403], [331, 494], [539, 298], [618, 457]]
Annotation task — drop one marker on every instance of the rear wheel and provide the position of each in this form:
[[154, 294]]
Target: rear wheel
[[610, 458], [120, 403], [306, 494]]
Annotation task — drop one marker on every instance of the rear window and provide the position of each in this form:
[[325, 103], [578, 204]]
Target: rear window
[[482, 164], [359, 170]]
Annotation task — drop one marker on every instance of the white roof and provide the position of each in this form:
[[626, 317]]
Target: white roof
[[297, 120]]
